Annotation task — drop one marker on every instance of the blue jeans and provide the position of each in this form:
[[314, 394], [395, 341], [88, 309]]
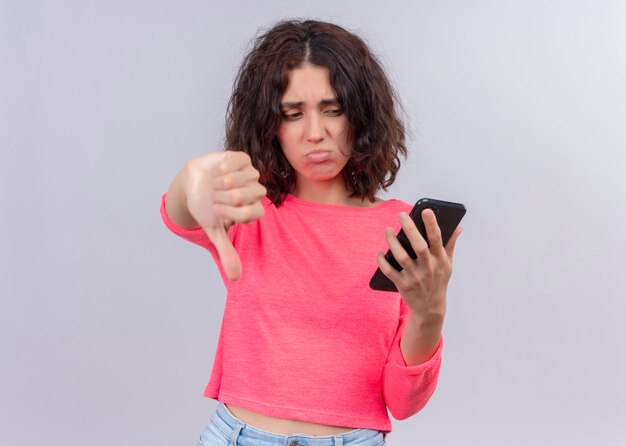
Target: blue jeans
[[225, 429]]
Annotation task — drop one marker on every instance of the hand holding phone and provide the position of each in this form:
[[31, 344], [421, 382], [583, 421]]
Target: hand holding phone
[[449, 215]]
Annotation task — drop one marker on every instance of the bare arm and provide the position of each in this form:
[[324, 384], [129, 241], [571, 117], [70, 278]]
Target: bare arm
[[176, 202]]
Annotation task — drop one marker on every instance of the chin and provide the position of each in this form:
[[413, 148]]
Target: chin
[[328, 177]]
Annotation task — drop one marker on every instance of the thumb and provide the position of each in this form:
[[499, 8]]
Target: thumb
[[228, 255]]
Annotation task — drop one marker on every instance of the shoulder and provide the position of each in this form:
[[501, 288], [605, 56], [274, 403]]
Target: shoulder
[[398, 205]]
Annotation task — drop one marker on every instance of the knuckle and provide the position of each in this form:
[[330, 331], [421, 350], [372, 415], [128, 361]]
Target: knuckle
[[242, 157], [410, 229], [401, 285], [403, 257], [236, 197], [444, 267], [223, 160], [226, 181], [252, 213], [422, 249], [245, 214], [193, 166], [385, 270]]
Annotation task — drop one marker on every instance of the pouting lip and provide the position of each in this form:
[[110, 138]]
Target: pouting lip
[[317, 151], [318, 156]]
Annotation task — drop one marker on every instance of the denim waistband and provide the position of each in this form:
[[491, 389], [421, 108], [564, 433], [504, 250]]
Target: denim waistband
[[243, 434]]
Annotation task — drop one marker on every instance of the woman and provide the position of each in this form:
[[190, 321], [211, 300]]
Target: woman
[[308, 353]]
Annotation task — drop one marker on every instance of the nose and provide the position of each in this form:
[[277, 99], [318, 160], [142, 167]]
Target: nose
[[315, 129]]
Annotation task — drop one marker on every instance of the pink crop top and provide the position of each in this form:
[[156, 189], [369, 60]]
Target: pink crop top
[[303, 336]]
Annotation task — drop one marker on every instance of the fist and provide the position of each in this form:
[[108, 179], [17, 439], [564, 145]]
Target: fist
[[223, 188]]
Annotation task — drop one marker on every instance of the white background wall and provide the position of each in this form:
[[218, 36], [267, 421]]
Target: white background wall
[[109, 323]]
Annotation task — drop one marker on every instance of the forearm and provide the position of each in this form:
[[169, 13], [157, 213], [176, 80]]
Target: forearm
[[411, 373], [420, 338], [176, 203]]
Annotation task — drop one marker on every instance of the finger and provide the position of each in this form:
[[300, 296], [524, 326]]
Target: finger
[[240, 196], [239, 214], [416, 239], [239, 178], [228, 255], [232, 161], [398, 251], [432, 231], [452, 242], [388, 270]]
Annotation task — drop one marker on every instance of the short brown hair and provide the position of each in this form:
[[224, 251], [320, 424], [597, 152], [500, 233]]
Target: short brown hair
[[371, 106]]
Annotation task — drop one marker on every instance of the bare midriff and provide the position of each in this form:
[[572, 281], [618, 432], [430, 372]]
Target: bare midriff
[[282, 426]]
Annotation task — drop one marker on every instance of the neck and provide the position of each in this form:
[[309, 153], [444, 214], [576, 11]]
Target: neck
[[325, 192]]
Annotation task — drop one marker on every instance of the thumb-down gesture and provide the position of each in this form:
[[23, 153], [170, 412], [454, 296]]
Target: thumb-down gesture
[[222, 188]]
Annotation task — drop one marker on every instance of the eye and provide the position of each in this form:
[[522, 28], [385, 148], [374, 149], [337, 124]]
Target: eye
[[292, 116], [334, 111]]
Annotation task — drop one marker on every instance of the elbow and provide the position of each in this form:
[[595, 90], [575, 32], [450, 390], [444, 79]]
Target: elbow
[[406, 411], [405, 403]]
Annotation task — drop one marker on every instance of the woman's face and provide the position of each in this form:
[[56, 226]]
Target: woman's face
[[313, 127]]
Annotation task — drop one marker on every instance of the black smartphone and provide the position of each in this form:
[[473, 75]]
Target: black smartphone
[[448, 215]]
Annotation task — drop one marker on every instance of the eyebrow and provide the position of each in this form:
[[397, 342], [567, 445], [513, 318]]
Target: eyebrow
[[329, 101]]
